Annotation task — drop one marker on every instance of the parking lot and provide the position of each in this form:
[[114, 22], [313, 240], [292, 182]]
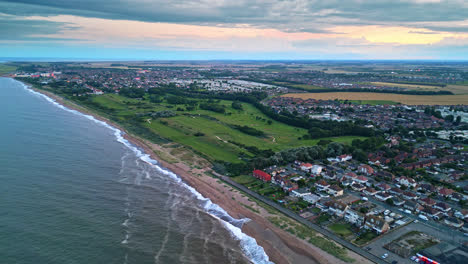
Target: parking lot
[[377, 246]]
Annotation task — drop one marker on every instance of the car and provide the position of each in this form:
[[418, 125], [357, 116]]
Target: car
[[368, 248], [394, 262], [384, 256]]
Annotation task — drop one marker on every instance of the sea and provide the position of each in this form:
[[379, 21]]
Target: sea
[[73, 190]]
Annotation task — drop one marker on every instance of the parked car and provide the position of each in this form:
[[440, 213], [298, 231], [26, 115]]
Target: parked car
[[423, 217], [384, 256]]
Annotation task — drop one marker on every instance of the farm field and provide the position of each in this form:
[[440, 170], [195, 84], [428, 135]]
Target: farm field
[[400, 98], [454, 88], [212, 134]]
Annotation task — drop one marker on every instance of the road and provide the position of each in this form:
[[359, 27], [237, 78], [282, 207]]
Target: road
[[296, 217]]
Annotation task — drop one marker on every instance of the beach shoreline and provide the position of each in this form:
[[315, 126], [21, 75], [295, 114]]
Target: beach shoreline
[[280, 246]]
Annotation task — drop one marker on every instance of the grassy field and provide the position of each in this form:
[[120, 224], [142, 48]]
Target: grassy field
[[401, 98], [4, 69], [219, 140]]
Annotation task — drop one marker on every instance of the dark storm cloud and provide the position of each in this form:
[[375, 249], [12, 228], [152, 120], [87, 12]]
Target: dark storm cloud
[[285, 15], [18, 29]]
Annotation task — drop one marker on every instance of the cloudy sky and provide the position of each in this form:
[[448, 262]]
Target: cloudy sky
[[234, 29]]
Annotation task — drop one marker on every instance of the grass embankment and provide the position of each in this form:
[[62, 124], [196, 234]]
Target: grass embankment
[[341, 229], [209, 133], [311, 236], [400, 98]]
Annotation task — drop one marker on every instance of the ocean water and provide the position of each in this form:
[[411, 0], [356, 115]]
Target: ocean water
[[72, 190]]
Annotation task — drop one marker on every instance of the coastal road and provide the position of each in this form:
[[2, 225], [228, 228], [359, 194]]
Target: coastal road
[[296, 217]]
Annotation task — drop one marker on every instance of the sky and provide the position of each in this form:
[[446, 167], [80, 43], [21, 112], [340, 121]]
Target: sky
[[234, 29]]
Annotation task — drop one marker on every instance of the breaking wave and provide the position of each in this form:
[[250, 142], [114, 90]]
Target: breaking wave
[[248, 244]]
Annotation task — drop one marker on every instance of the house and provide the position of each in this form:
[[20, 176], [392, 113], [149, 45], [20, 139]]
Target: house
[[383, 196], [431, 212], [335, 190], [395, 191], [311, 198], [316, 169], [397, 201], [306, 167], [427, 201], [261, 175], [443, 207], [337, 208], [300, 192], [366, 169], [358, 187], [407, 181], [446, 192], [453, 221], [354, 217], [426, 187], [463, 214], [361, 179], [409, 195], [370, 191], [344, 157], [457, 197], [411, 205], [376, 223], [322, 185], [350, 176], [384, 187]]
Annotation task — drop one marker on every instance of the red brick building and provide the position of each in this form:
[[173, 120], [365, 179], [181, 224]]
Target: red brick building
[[261, 175]]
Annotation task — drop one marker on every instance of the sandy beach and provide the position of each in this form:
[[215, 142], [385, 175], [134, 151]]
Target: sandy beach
[[280, 246]]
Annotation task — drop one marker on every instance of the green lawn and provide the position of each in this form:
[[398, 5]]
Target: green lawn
[[343, 230]]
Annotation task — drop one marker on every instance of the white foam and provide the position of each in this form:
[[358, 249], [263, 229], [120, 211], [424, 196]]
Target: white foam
[[248, 244]]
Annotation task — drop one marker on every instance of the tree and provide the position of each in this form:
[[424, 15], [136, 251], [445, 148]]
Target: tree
[[390, 201], [236, 105]]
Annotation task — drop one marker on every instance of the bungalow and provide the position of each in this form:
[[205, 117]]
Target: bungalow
[[261, 175], [454, 222], [385, 175], [322, 185], [443, 207], [347, 182], [383, 196], [426, 187], [358, 187], [335, 190], [370, 191], [366, 169], [395, 191], [337, 208], [354, 217], [428, 201], [409, 195], [377, 224]]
